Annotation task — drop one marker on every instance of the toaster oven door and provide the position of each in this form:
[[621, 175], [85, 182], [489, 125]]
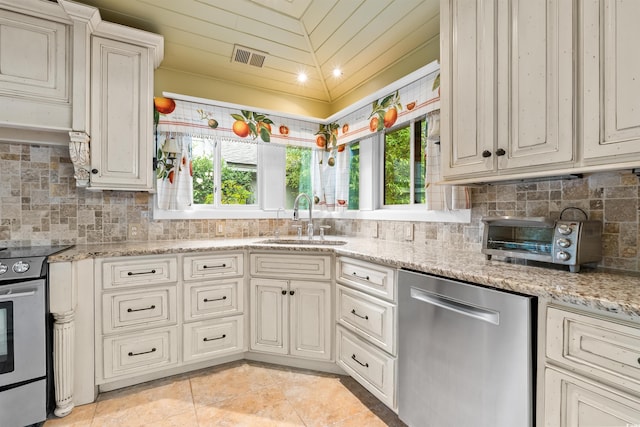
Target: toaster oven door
[[519, 238]]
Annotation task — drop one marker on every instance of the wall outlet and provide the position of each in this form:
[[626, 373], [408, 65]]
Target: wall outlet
[[133, 233], [220, 228], [408, 232]]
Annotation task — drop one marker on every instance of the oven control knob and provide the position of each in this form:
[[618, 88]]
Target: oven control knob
[[21, 267], [563, 243], [563, 256], [565, 229], [3, 268]]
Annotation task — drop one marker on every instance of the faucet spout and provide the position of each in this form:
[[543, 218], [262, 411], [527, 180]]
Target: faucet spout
[[296, 213]]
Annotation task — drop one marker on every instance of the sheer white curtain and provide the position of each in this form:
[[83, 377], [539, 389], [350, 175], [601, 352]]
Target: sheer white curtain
[[175, 173], [331, 178], [438, 196]]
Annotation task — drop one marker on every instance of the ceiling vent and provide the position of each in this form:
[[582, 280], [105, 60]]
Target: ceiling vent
[[245, 55]]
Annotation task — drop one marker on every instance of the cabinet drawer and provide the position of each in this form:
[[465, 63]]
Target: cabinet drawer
[[368, 316], [288, 266], [213, 299], [213, 265], [372, 278], [213, 338], [123, 272], [600, 347], [148, 308], [140, 353], [370, 366]]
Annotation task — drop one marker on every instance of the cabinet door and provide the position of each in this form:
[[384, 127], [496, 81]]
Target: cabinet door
[[121, 116], [468, 82], [609, 71], [310, 329], [575, 402], [535, 75], [269, 315]]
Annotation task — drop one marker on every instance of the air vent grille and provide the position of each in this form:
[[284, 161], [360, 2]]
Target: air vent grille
[[245, 55]]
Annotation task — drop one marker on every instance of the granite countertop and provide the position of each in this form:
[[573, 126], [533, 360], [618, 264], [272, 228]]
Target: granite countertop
[[613, 292]]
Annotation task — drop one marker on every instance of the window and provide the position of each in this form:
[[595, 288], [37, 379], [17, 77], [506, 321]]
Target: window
[[297, 173], [224, 173], [404, 165], [354, 176]]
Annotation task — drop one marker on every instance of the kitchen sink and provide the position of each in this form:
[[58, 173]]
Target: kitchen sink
[[327, 242]]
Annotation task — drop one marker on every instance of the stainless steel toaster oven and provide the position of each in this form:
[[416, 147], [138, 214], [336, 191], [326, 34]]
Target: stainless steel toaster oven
[[565, 242]]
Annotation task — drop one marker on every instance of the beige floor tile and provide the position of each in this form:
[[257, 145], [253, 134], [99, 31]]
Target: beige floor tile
[[228, 382], [144, 404], [81, 416], [265, 407]]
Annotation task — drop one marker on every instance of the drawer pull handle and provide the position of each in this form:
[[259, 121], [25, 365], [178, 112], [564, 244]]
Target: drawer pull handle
[[215, 299], [131, 310], [360, 277], [142, 352], [131, 273], [205, 339], [365, 317], [366, 365], [214, 266]]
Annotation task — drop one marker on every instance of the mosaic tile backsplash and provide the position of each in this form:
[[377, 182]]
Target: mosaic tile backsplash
[[40, 204]]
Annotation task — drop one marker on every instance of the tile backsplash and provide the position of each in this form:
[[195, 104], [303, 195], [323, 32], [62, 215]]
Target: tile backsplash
[[40, 204]]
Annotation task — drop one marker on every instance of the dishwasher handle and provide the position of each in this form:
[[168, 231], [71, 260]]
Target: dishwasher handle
[[490, 316]]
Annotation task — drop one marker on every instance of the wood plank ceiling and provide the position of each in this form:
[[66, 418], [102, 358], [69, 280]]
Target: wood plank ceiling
[[361, 37]]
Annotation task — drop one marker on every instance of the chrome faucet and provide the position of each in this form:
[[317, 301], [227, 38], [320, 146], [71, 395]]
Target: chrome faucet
[[296, 214]]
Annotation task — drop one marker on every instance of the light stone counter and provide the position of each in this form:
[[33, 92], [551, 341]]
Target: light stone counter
[[613, 292]]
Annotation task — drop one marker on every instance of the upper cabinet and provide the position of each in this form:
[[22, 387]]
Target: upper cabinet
[[122, 65], [610, 81], [67, 77], [507, 83]]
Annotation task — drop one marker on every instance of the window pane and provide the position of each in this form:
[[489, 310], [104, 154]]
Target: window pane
[[239, 173], [419, 161], [297, 173], [203, 155], [397, 163], [354, 177]]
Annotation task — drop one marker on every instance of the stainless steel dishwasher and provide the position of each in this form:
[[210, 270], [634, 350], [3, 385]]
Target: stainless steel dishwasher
[[466, 354]]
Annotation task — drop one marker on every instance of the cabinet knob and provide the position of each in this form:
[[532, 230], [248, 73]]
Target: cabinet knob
[[486, 153], [500, 152], [291, 292], [284, 292], [94, 171]]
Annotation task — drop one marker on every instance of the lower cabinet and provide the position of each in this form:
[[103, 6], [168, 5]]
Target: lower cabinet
[[213, 338], [291, 317], [592, 370], [572, 401]]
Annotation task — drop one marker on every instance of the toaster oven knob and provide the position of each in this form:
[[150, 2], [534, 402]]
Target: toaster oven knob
[[563, 243], [565, 229], [563, 256], [3, 268]]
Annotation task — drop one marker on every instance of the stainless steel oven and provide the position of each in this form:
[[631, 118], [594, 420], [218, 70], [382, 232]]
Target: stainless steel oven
[[25, 336]]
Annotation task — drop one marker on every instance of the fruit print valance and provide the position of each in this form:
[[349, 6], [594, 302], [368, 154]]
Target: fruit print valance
[[208, 121], [212, 121]]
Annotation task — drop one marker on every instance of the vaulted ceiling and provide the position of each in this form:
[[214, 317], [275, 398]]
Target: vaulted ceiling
[[362, 37]]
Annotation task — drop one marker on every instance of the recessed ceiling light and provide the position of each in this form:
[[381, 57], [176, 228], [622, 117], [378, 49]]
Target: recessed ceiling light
[[302, 77], [337, 72]]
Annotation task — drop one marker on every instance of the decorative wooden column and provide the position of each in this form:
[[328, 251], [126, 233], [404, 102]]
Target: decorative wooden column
[[79, 153], [63, 355]]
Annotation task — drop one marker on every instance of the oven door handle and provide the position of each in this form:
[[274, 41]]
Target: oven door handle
[[11, 295]]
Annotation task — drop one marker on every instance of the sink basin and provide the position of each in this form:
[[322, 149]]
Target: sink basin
[[327, 242]]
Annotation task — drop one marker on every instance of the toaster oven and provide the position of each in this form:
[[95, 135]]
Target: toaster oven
[[566, 242]]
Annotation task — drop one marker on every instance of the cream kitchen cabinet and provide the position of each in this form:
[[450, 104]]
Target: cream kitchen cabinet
[[135, 316], [290, 299], [367, 323], [213, 305], [507, 83], [610, 82], [592, 370], [122, 64]]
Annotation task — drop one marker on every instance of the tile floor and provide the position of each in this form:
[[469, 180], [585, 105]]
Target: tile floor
[[237, 394]]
